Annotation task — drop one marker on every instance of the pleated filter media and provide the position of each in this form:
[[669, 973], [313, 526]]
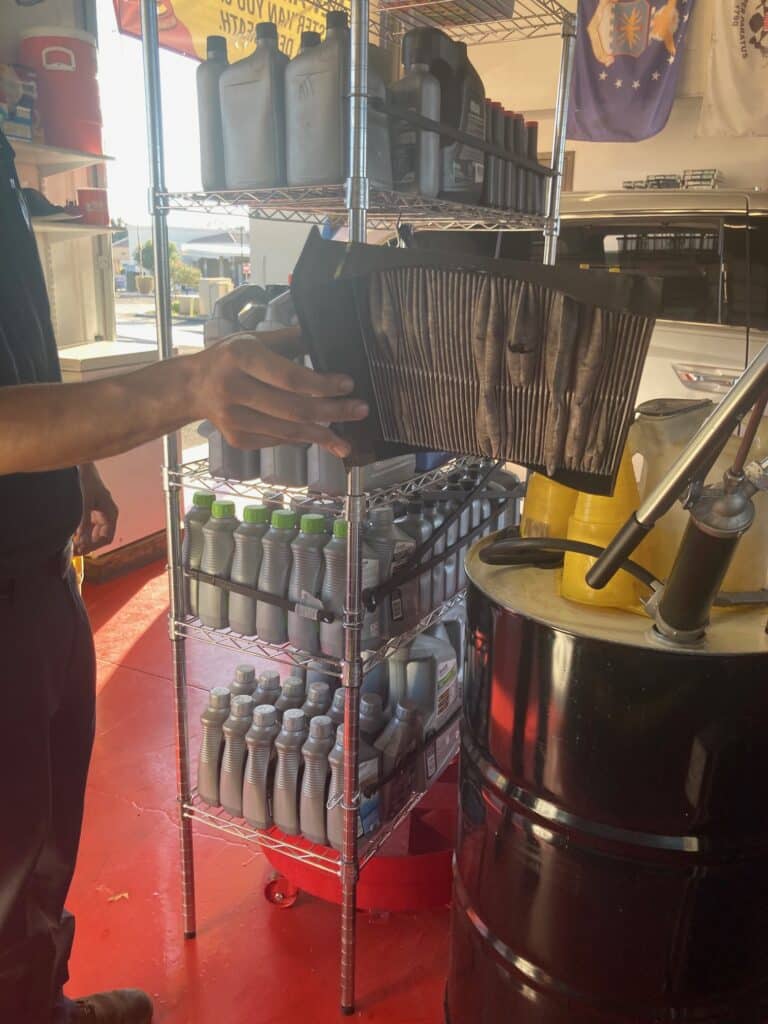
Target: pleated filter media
[[527, 364]]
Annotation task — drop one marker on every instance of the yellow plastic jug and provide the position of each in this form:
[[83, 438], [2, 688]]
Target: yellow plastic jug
[[596, 520], [547, 507], [78, 564]]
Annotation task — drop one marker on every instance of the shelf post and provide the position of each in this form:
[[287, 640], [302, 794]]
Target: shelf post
[[552, 230], [352, 669], [153, 99]]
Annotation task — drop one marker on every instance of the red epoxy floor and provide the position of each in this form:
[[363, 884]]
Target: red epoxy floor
[[251, 963]]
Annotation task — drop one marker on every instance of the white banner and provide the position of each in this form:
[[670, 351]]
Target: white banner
[[736, 95]]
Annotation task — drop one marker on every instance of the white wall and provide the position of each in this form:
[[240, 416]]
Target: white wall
[[523, 76], [275, 247]]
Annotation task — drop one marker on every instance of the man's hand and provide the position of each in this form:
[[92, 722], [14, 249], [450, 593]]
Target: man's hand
[[258, 397], [97, 527]]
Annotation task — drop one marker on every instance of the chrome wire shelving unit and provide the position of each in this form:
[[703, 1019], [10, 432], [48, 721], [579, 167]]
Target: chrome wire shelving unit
[[361, 207]]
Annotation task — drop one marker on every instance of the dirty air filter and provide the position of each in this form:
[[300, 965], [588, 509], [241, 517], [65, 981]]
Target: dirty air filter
[[528, 364]]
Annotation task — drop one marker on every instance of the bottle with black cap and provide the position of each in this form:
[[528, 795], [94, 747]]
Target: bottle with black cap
[[416, 151], [253, 114], [209, 72], [535, 188]]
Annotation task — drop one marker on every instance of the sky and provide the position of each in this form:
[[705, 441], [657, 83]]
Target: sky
[[125, 133]]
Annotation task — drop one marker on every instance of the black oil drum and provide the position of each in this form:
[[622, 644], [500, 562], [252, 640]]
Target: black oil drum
[[612, 857]]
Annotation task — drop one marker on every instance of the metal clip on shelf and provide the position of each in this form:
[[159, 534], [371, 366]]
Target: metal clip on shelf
[[472, 21]]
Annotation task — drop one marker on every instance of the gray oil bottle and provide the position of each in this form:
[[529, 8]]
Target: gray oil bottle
[[285, 793], [246, 564], [318, 700], [212, 744], [418, 526], [446, 508], [392, 547], [305, 583], [243, 681], [274, 574], [373, 718], [218, 552], [253, 115], [192, 546], [436, 520], [260, 767], [209, 73], [292, 696], [267, 687], [400, 738], [235, 753], [314, 780], [369, 773], [416, 152], [336, 711], [334, 589], [316, 87]]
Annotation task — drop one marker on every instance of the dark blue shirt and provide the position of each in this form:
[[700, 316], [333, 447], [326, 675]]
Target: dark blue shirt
[[39, 512]]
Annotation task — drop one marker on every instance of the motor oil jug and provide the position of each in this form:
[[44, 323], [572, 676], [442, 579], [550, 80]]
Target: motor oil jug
[[274, 574], [218, 552], [305, 583], [209, 72], [326, 473], [315, 778], [547, 507], [369, 773], [235, 752], [418, 526], [292, 695], [267, 687], [192, 545], [415, 151], [373, 717], [425, 674], [253, 115], [212, 744], [596, 520], [316, 88], [260, 766], [243, 681], [285, 799], [246, 564]]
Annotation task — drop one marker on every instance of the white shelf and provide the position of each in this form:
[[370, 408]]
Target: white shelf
[[67, 230], [51, 160]]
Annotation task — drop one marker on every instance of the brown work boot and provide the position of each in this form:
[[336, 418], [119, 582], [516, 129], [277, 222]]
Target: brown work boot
[[123, 1006]]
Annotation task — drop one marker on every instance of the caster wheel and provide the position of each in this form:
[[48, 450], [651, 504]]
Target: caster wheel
[[280, 892]]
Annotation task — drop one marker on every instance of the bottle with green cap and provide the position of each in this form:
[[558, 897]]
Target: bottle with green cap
[[218, 552], [305, 583], [246, 565], [334, 590], [274, 575], [192, 545]]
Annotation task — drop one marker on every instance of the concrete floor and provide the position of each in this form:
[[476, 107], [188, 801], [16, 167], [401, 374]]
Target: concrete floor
[[252, 963]]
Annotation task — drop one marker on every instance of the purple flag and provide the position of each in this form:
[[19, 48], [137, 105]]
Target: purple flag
[[626, 65]]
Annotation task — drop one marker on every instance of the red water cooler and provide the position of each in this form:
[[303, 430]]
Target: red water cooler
[[65, 61]]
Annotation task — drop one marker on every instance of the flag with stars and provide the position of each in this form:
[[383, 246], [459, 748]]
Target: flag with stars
[[626, 67]]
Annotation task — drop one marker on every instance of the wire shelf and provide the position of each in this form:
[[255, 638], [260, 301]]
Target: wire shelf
[[477, 21], [196, 475], [320, 857], [285, 654], [317, 204]]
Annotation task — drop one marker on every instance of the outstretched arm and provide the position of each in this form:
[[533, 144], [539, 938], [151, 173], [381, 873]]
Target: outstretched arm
[[255, 396]]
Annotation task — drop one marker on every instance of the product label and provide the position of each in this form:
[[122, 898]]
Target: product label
[[469, 163], [396, 610], [308, 606], [404, 156], [446, 691], [403, 550], [441, 750]]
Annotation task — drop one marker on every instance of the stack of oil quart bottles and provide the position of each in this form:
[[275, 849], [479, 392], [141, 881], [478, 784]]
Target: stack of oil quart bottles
[[268, 121], [286, 567], [271, 751]]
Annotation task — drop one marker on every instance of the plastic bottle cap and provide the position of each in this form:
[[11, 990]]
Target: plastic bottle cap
[[219, 697], [283, 519], [266, 30], [242, 706], [222, 509], [293, 687], [371, 704], [414, 508], [382, 515], [312, 523], [216, 46], [340, 735], [294, 720], [256, 514], [339, 699], [318, 693], [264, 715], [406, 711], [269, 680], [309, 39], [341, 529], [336, 19], [321, 727], [203, 499]]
